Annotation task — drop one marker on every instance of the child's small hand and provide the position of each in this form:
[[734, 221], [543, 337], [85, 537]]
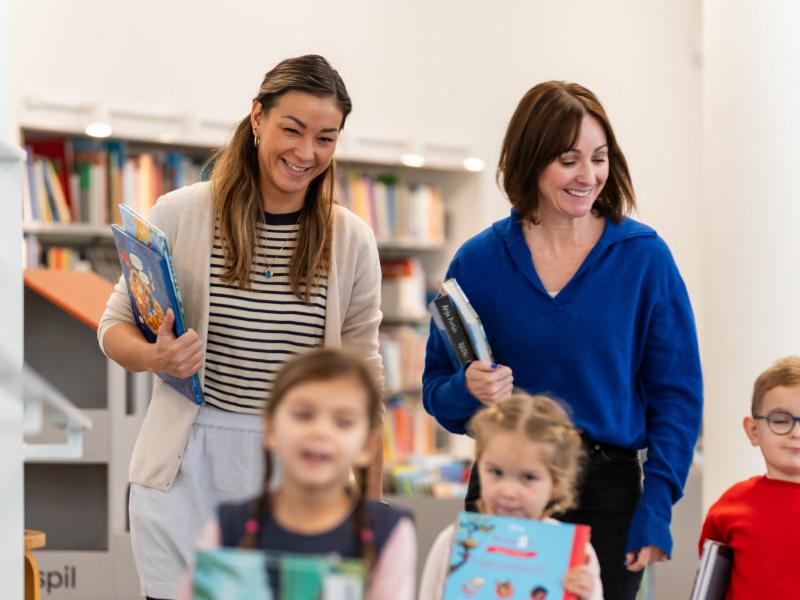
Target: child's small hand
[[579, 581]]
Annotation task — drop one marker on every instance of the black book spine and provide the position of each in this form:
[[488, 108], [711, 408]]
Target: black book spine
[[455, 330]]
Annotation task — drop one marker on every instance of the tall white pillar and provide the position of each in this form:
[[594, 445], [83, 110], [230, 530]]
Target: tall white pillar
[[751, 206], [11, 474]]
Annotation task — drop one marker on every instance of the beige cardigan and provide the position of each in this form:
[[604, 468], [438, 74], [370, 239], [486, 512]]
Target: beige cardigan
[[186, 218]]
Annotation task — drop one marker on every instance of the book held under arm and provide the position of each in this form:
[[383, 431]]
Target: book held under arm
[[714, 572], [152, 286]]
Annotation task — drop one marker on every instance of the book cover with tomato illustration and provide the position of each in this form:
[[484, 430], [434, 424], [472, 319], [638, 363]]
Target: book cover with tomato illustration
[[505, 557]]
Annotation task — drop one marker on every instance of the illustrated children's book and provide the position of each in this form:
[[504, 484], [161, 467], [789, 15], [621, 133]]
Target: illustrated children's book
[[152, 287], [505, 557], [238, 574]]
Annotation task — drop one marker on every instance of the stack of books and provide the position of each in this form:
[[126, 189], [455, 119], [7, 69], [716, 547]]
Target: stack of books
[[152, 286], [459, 325]]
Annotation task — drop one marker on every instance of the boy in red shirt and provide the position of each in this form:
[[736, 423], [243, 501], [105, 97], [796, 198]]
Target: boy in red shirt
[[760, 517]]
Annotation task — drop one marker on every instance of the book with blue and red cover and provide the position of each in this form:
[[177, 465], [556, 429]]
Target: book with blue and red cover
[[152, 286], [506, 557]]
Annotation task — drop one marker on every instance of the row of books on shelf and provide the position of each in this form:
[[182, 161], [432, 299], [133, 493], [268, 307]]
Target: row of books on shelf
[[437, 475], [395, 211], [403, 351], [402, 289], [102, 259], [75, 180], [409, 431]]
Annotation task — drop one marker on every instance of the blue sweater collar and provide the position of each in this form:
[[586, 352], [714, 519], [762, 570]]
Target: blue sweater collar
[[510, 230]]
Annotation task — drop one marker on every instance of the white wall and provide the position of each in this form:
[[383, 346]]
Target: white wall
[[445, 71], [750, 162]]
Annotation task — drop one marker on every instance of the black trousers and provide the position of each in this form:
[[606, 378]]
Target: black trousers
[[608, 494]]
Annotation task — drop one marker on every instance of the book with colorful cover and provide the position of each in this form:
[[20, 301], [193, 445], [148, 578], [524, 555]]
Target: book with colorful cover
[[238, 574], [152, 286], [506, 557]]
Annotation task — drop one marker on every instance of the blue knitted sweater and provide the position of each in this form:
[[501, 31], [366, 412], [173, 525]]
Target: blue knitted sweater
[[618, 344]]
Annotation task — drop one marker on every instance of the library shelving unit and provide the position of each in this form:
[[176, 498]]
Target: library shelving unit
[[88, 554], [81, 503]]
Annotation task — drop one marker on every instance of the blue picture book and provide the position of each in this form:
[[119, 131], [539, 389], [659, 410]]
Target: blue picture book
[[152, 288], [239, 574], [505, 557]]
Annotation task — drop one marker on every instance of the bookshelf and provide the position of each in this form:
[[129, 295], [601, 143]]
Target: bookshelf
[[117, 400], [81, 503], [408, 208]]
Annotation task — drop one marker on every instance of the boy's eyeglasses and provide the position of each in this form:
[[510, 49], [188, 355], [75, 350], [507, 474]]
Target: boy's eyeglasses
[[779, 422]]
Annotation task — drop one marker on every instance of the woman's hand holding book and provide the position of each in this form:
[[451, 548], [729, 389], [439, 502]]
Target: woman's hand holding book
[[177, 356], [489, 382]]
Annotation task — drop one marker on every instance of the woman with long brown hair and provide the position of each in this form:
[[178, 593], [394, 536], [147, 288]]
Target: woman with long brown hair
[[268, 267], [582, 302]]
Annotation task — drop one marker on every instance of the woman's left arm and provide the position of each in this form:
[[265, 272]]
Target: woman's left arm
[[362, 316], [671, 379]]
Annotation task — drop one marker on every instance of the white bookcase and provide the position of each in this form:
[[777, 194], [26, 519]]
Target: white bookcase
[[81, 503]]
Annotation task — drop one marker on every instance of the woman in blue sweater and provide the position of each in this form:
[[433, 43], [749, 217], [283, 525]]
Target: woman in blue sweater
[[584, 303]]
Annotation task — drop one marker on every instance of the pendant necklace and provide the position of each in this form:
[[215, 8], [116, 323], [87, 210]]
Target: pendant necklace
[[268, 273]]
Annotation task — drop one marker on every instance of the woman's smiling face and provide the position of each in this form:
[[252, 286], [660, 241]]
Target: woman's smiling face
[[297, 140]]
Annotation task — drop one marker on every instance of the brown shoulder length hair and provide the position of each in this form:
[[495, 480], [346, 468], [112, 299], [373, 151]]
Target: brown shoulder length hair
[[235, 182], [546, 124]]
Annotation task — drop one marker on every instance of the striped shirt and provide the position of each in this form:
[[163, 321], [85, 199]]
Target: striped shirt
[[251, 333]]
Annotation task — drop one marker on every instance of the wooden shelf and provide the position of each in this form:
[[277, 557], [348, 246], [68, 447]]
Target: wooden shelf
[[82, 294]]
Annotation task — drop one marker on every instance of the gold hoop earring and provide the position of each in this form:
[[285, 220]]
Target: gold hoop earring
[[256, 139]]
